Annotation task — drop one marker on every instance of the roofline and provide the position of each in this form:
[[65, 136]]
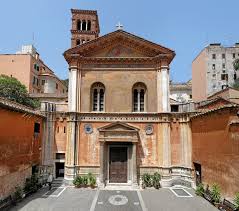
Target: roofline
[[12, 105], [122, 31], [236, 106], [221, 91]]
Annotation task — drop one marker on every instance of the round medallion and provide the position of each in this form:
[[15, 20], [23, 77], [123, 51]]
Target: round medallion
[[88, 128], [118, 200], [149, 129]]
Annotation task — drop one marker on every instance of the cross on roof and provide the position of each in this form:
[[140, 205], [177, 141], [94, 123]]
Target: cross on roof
[[119, 26]]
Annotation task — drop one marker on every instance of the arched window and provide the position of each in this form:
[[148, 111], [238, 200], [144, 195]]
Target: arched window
[[98, 96], [79, 25], [83, 25], [89, 26], [78, 42], [139, 97]]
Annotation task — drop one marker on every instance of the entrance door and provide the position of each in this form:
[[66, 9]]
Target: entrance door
[[198, 173], [60, 169], [118, 165]]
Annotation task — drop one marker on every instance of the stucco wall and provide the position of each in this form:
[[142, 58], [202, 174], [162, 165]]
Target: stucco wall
[[199, 77], [215, 145], [18, 66], [118, 93]]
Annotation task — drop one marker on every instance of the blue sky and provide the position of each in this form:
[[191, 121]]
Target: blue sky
[[186, 26]]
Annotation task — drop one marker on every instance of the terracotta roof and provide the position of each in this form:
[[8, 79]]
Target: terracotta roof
[[221, 91], [211, 101], [11, 105], [215, 109]]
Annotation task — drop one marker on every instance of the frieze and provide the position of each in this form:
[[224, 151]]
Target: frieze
[[89, 66], [121, 118]]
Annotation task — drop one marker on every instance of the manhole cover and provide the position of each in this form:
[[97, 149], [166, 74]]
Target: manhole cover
[[118, 200]]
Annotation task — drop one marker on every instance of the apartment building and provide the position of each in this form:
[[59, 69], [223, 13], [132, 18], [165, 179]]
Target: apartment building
[[212, 70], [27, 66]]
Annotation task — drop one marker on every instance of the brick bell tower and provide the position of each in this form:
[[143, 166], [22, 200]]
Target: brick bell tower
[[85, 26]]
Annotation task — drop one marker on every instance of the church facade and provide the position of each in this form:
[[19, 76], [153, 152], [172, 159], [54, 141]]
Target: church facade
[[119, 124]]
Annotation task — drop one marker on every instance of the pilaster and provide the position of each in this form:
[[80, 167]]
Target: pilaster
[[165, 88], [73, 89]]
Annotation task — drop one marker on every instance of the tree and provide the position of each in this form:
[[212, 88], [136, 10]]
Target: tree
[[14, 90], [236, 64], [236, 68]]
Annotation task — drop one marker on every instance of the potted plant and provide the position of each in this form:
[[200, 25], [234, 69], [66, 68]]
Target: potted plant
[[236, 201], [156, 180], [200, 190], [91, 180], [216, 194], [146, 180], [78, 181]]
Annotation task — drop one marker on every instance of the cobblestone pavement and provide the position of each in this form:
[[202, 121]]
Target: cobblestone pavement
[[72, 199]]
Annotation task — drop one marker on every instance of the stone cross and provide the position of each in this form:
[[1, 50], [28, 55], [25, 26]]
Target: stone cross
[[119, 26]]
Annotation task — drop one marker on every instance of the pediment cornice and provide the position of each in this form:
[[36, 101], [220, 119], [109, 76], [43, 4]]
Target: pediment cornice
[[145, 47]]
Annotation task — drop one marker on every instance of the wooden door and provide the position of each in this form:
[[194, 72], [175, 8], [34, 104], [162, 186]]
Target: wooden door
[[118, 165]]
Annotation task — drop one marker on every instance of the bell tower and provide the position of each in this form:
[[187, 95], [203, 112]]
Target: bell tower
[[85, 26]]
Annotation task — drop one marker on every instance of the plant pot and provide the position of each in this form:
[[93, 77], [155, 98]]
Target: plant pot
[[92, 186], [217, 205]]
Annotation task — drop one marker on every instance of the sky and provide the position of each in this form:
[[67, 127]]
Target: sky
[[186, 26]]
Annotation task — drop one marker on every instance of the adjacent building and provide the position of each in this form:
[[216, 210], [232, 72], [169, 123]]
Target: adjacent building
[[215, 147], [212, 70], [20, 145], [181, 92], [31, 71]]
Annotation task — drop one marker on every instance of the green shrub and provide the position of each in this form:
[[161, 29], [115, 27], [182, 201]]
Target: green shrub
[[91, 179], [200, 190], [18, 194], [216, 193], [146, 180], [31, 184], [78, 181], [156, 180], [85, 180], [236, 200]]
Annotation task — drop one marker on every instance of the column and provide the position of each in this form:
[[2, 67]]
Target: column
[[165, 88], [71, 148], [166, 145], [102, 166], [72, 126], [72, 92], [134, 162]]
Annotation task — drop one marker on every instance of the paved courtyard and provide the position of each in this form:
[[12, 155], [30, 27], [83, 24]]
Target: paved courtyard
[[71, 199]]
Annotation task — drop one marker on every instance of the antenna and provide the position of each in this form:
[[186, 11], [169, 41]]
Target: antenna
[[33, 38]]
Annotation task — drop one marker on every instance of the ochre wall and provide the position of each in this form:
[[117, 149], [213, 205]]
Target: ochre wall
[[118, 93], [18, 66], [18, 148], [199, 78], [215, 145], [175, 143]]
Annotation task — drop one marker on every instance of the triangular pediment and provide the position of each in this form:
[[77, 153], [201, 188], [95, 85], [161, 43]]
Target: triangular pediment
[[118, 50], [119, 44], [118, 126]]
